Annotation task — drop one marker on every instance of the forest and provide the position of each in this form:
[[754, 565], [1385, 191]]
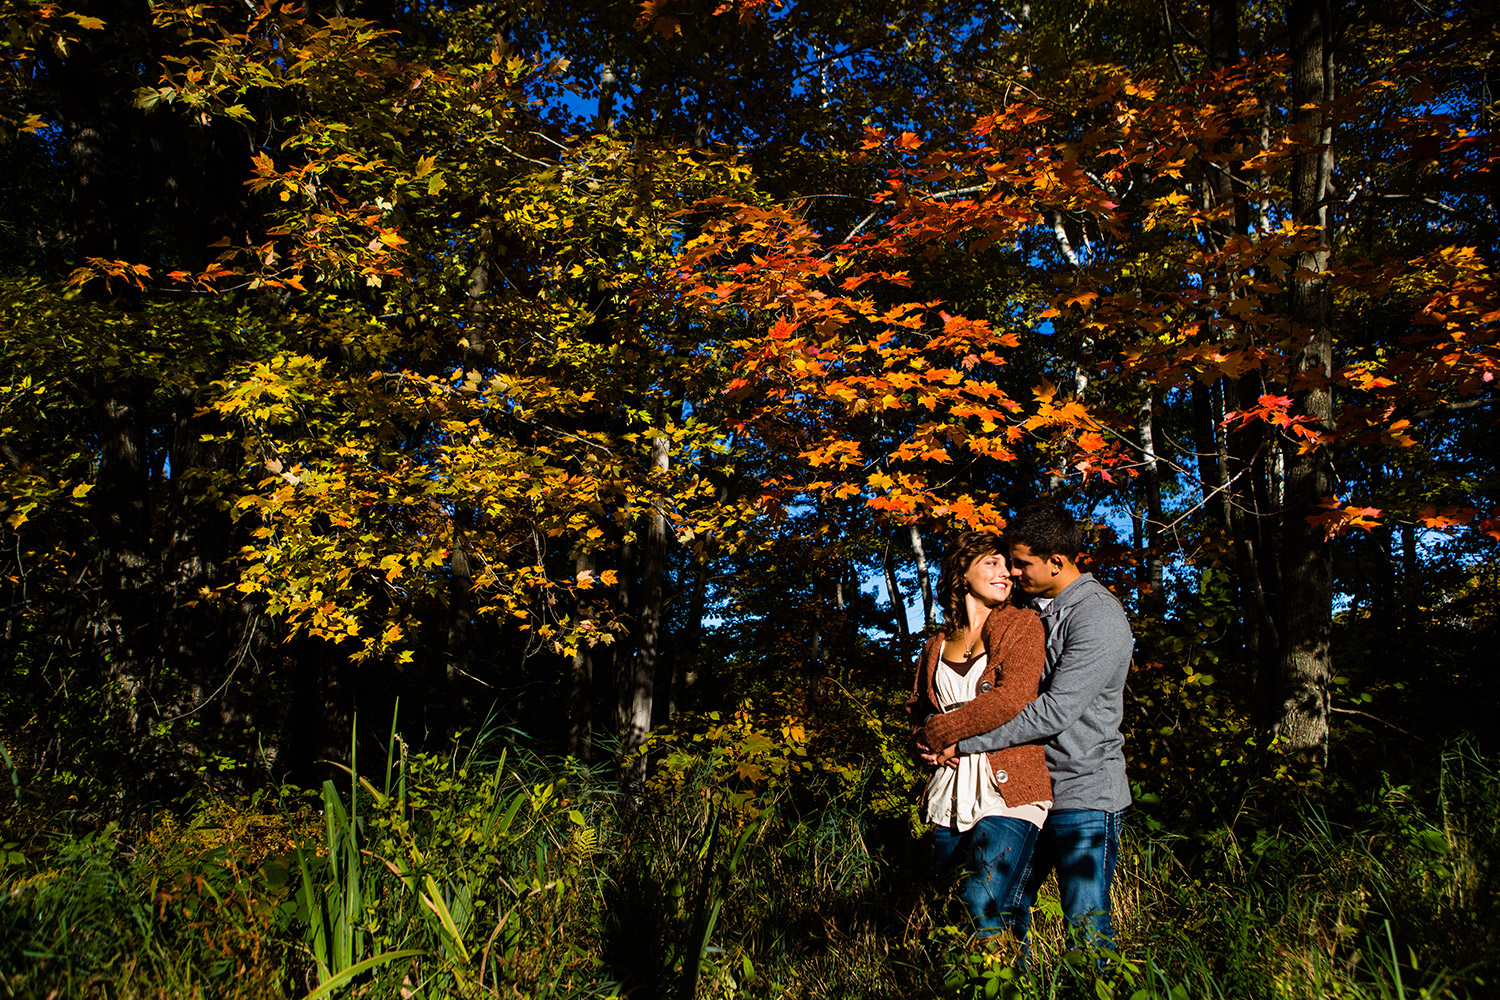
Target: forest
[[475, 475]]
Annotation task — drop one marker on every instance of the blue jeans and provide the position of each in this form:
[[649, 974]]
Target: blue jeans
[[1083, 846], [995, 855]]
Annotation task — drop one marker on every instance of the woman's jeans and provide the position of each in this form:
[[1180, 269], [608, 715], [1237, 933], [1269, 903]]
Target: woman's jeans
[[1083, 845], [995, 855]]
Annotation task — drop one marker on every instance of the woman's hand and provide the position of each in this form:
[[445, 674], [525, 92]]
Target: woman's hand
[[946, 757]]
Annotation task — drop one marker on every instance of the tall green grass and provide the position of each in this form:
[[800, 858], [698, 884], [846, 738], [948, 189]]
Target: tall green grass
[[477, 874], [459, 876]]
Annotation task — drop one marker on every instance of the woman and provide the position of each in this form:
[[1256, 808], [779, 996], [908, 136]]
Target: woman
[[974, 675]]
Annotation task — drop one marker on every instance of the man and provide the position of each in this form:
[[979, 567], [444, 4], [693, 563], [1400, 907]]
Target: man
[[1077, 717]]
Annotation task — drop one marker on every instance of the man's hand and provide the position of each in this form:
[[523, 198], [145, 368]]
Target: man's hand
[[946, 757]]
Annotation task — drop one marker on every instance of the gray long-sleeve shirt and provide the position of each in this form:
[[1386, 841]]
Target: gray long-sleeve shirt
[[1082, 702]]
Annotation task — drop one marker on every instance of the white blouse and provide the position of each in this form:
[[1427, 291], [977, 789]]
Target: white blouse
[[962, 796]]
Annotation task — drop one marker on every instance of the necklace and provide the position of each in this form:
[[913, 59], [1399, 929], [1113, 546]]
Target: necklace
[[972, 643]]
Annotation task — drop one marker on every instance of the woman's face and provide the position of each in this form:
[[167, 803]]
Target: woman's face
[[989, 579]]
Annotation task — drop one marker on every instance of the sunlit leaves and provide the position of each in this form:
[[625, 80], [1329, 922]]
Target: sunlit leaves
[[1159, 287], [1339, 517]]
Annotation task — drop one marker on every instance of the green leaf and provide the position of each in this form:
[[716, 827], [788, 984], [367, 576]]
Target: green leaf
[[359, 968]]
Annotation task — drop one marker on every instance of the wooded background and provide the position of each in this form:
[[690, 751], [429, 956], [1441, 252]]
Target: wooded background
[[572, 366]]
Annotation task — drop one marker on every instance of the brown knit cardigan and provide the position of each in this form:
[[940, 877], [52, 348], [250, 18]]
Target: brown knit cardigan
[[1016, 649]]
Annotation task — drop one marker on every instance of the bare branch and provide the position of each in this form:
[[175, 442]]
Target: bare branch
[[1367, 715], [854, 232], [562, 433], [1446, 408], [521, 156], [975, 189]]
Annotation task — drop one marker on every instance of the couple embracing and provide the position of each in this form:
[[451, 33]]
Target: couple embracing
[[1018, 703]]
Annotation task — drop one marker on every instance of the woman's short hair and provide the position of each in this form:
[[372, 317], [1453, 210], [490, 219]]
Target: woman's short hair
[[952, 587]]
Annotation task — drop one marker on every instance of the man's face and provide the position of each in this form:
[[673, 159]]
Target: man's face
[[1034, 575]]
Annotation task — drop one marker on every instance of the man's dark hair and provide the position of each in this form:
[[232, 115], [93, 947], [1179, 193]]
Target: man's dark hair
[[1047, 529]]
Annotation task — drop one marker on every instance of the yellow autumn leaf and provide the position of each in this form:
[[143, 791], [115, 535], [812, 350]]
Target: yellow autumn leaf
[[392, 566]]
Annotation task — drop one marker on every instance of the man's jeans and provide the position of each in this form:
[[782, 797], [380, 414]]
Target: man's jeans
[[995, 855], [1083, 846]]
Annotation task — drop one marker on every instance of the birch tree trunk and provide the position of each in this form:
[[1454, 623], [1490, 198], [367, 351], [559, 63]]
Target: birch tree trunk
[[924, 578], [605, 119], [1151, 513]]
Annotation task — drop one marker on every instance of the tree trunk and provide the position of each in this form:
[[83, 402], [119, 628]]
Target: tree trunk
[[124, 623], [581, 681], [1208, 442], [1223, 33], [1236, 463], [851, 610], [1307, 559], [825, 591], [1410, 580], [1223, 52], [1153, 597], [605, 118], [691, 645], [622, 659], [1382, 587], [898, 604], [1252, 527], [459, 640], [97, 148], [1235, 466], [207, 649], [924, 579], [640, 680]]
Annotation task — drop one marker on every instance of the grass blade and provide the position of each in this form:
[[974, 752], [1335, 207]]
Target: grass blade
[[375, 961]]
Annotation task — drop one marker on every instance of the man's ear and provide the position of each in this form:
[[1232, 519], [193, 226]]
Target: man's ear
[[1057, 563]]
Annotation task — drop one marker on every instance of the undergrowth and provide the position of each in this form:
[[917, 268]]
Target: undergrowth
[[479, 874]]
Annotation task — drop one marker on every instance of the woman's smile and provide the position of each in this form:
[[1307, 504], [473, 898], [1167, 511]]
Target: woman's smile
[[989, 579]]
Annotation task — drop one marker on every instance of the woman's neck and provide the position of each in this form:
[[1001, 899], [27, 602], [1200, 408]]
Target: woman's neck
[[976, 612]]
